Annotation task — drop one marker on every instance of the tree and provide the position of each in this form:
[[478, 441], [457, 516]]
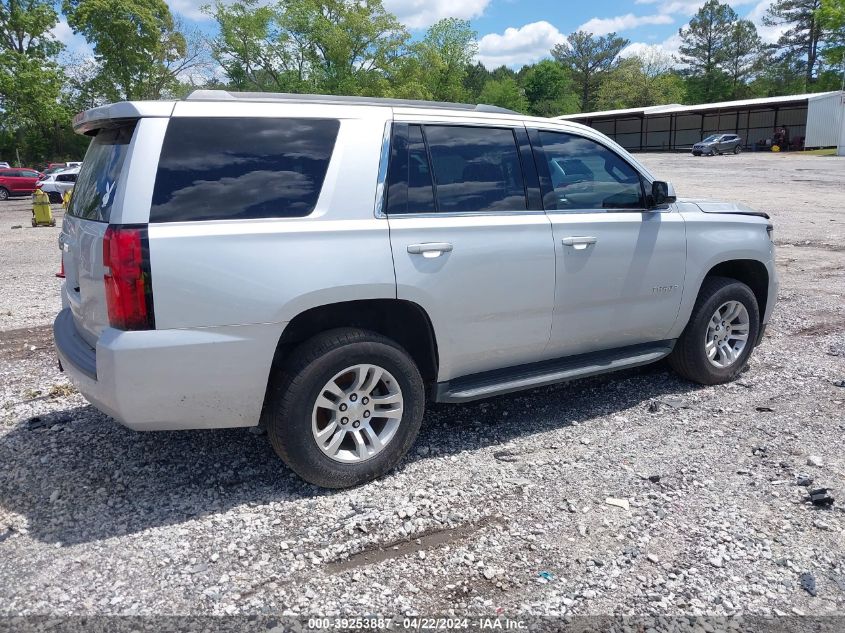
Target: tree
[[548, 90], [588, 57], [704, 49], [329, 46], [831, 16], [804, 35], [643, 80], [504, 93], [743, 54], [33, 122], [137, 45], [475, 76], [444, 54]]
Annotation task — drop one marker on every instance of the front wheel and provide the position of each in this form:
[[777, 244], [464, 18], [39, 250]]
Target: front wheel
[[720, 335], [345, 408], [4, 193]]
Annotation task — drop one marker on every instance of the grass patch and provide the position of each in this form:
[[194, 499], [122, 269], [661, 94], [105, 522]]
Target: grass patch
[[820, 152]]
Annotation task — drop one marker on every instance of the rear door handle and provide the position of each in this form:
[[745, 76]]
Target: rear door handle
[[579, 243], [430, 249]]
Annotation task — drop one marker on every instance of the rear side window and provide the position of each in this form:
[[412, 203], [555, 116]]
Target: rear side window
[[66, 177], [241, 168], [93, 194], [476, 169], [587, 176]]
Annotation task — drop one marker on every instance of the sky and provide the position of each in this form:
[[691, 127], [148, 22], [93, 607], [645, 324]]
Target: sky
[[514, 32]]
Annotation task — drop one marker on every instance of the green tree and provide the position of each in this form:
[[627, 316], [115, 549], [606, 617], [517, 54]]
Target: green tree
[[704, 50], [329, 46], [444, 54], [136, 43], [504, 93], [743, 54], [548, 90], [831, 16], [588, 57], [33, 123], [643, 80], [475, 76], [803, 39]]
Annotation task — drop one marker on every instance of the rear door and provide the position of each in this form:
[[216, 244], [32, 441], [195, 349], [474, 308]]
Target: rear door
[[470, 241], [85, 225], [620, 266], [28, 180]]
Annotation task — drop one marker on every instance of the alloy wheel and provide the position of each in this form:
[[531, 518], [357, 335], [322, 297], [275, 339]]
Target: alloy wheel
[[727, 334], [357, 413]]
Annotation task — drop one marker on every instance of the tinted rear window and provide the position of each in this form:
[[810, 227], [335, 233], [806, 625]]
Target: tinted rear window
[[241, 168], [93, 194]]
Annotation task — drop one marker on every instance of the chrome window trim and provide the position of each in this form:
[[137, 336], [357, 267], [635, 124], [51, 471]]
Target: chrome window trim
[[467, 214], [378, 208]]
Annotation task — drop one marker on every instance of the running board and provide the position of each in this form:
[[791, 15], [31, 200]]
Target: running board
[[549, 372]]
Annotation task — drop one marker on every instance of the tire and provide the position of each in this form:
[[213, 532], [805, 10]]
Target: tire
[[4, 193], [690, 359], [55, 198], [292, 416], [737, 149]]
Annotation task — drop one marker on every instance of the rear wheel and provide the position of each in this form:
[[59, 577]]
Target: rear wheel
[[345, 408], [4, 193], [737, 149], [720, 335], [55, 198]]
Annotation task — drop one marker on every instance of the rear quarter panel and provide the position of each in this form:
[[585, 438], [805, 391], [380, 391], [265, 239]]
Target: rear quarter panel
[[236, 272]]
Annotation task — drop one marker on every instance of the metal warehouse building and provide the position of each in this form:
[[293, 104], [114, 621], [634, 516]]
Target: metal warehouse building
[[811, 120]]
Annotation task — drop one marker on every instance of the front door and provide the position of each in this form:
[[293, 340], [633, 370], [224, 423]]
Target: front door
[[620, 267], [471, 244]]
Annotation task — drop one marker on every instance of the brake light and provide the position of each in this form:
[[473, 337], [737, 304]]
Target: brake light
[[129, 297], [61, 273]]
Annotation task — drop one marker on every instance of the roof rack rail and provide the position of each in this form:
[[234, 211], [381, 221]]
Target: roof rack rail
[[225, 95]]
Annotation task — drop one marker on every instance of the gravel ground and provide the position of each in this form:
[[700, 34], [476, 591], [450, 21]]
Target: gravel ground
[[502, 507]]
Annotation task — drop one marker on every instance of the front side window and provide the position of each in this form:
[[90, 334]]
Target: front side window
[[586, 176], [241, 168], [475, 169]]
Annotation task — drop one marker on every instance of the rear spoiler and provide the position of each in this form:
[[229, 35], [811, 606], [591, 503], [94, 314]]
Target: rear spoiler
[[90, 121]]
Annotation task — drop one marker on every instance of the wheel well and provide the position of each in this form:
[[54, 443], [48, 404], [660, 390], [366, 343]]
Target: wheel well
[[750, 272], [402, 321]]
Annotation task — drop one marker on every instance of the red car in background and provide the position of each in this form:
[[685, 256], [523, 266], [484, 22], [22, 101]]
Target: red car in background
[[17, 181]]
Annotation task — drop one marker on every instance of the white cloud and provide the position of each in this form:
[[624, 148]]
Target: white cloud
[[419, 14], [687, 7], [770, 34], [62, 32], [603, 26], [190, 9], [518, 46]]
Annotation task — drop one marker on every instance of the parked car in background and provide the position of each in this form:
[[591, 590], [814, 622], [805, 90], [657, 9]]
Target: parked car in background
[[4, 165], [325, 266], [718, 144], [57, 183], [18, 181]]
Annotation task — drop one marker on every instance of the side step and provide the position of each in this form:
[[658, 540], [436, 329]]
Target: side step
[[549, 372]]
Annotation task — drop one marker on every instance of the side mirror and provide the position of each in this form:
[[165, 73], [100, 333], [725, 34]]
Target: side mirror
[[662, 193]]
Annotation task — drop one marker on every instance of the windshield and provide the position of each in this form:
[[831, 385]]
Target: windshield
[[93, 194], [711, 138]]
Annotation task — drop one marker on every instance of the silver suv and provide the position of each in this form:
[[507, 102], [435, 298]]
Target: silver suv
[[323, 266]]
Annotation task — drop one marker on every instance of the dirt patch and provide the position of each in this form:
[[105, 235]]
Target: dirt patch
[[25, 342], [397, 549]]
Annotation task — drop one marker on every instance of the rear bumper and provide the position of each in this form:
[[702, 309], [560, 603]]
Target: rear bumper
[[172, 379]]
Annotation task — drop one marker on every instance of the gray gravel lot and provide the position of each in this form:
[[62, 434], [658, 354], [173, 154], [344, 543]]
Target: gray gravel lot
[[503, 504]]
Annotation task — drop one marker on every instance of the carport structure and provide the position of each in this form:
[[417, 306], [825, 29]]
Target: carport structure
[[811, 120]]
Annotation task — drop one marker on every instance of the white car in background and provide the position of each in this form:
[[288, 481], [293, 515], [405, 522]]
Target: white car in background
[[4, 165], [56, 184]]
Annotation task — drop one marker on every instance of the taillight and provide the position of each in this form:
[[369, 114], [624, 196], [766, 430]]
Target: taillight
[[61, 273], [129, 296]]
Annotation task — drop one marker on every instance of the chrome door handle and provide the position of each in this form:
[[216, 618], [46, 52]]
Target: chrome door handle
[[578, 243], [430, 249]]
